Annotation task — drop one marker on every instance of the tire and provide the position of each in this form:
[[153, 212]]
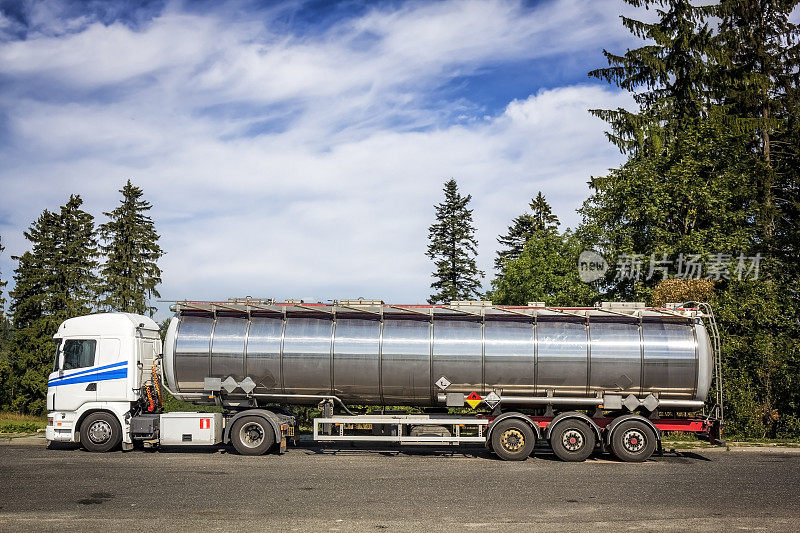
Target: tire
[[633, 441], [252, 435], [572, 440], [513, 440], [100, 432]]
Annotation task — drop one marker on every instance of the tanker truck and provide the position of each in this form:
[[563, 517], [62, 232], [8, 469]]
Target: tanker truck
[[582, 380]]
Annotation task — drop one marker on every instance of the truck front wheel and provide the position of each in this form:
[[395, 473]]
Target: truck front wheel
[[252, 435], [100, 432]]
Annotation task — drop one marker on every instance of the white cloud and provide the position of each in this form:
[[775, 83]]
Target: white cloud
[[333, 201]]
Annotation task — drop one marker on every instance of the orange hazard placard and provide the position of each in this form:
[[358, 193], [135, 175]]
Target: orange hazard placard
[[473, 400]]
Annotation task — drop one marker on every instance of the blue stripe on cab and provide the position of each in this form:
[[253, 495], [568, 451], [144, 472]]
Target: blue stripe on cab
[[94, 376], [88, 371]]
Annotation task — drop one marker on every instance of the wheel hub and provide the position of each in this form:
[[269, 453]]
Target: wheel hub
[[99, 432], [633, 440], [572, 440], [251, 435], [512, 440]]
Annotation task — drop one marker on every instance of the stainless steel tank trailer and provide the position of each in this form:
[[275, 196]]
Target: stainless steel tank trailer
[[607, 378]]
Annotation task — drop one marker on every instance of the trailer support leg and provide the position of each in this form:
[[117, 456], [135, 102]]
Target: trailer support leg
[[326, 406]]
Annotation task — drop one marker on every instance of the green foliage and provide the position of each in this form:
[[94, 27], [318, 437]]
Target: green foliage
[[522, 228], [18, 427], [54, 280], [546, 271], [2, 284], [5, 337], [75, 284], [173, 405], [713, 168], [694, 195], [130, 242], [16, 424], [761, 357], [667, 77], [452, 247]]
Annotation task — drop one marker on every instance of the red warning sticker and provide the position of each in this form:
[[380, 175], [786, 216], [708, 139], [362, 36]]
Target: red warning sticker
[[473, 400], [205, 423]]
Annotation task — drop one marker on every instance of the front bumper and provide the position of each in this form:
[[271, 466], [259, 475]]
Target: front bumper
[[60, 428]]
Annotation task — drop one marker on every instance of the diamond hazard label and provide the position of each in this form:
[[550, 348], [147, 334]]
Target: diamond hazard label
[[492, 399], [473, 400]]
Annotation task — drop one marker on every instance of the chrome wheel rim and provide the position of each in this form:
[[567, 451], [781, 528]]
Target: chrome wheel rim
[[100, 432], [633, 440], [251, 434], [572, 440]]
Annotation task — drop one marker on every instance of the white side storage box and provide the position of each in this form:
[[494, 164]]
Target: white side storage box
[[190, 429]]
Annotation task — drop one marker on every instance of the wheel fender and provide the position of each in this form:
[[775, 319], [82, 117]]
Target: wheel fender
[[506, 416], [269, 416], [624, 418], [574, 415]]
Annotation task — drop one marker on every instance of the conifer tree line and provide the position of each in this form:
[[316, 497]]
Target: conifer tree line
[[712, 170], [73, 268]]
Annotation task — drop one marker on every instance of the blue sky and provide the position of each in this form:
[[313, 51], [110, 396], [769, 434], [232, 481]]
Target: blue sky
[[296, 149]]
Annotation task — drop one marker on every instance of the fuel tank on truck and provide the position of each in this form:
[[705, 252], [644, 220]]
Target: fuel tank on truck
[[368, 352]]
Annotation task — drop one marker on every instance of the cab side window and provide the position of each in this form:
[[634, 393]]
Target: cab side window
[[79, 353]]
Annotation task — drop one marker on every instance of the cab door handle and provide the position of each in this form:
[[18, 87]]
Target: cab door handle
[[91, 387]]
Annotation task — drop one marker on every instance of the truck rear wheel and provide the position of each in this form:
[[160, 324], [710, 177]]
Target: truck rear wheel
[[252, 435], [100, 432], [513, 440], [633, 441], [572, 440]]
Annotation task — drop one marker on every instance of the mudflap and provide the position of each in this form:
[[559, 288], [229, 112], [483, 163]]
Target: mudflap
[[713, 434]]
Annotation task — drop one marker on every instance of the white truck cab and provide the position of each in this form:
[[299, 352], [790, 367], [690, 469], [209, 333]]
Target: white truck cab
[[101, 363]]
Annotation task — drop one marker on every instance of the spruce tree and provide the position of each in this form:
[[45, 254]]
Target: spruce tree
[[758, 64], [130, 242], [759, 61], [522, 228], [452, 247], [31, 352], [5, 330], [2, 284], [76, 284], [55, 280], [35, 275], [668, 79]]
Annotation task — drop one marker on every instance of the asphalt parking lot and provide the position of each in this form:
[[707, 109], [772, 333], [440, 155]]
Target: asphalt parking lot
[[325, 488]]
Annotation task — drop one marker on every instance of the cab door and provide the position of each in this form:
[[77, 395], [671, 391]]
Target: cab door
[[75, 383], [111, 371]]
